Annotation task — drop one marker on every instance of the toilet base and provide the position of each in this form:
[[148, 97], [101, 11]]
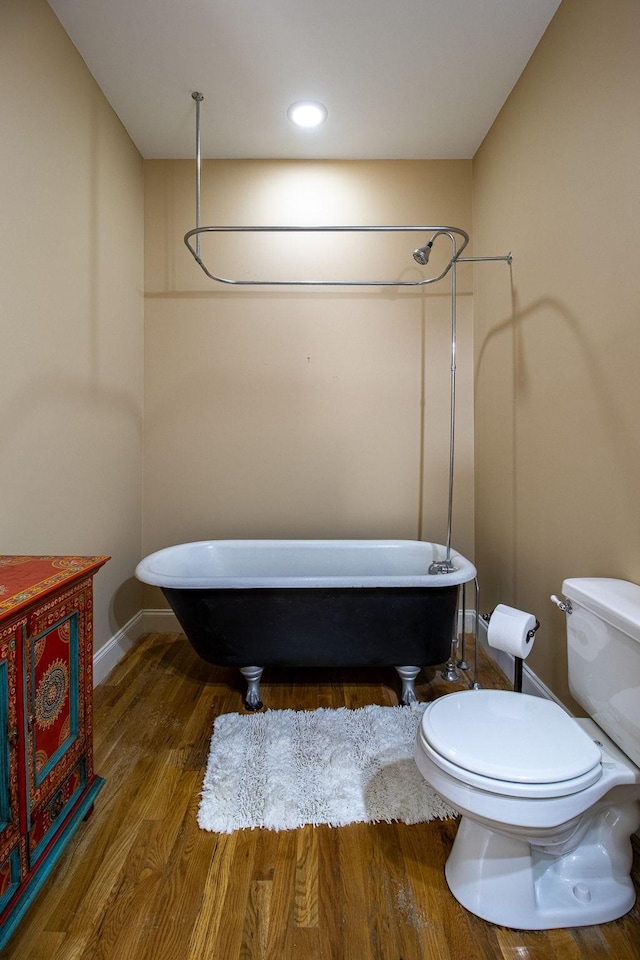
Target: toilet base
[[505, 880]]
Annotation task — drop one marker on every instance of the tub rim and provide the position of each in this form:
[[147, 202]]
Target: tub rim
[[464, 570]]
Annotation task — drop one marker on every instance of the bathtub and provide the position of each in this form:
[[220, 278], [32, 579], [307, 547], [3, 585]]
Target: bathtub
[[312, 603]]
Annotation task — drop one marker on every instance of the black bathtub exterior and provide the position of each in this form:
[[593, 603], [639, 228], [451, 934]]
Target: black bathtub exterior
[[317, 627], [313, 603]]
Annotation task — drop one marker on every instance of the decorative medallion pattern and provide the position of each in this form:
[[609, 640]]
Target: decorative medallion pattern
[[52, 693]]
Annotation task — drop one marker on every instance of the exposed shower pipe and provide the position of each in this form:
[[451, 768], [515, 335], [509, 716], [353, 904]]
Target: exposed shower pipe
[[421, 255], [198, 97], [452, 412], [446, 566], [198, 231], [507, 256], [475, 683]]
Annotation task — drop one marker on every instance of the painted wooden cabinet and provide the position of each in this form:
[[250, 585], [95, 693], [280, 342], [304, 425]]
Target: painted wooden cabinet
[[47, 781]]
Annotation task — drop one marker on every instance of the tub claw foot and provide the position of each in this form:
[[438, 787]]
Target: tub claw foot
[[408, 676], [252, 675]]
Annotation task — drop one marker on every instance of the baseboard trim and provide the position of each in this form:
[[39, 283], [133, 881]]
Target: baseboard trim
[[160, 621], [112, 652]]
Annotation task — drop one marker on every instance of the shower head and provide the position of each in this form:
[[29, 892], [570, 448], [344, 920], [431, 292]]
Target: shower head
[[421, 255]]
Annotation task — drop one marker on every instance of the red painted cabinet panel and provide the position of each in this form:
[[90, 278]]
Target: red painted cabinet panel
[[47, 781]]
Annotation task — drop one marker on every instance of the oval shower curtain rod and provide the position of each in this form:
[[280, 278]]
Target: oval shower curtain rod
[[421, 255]]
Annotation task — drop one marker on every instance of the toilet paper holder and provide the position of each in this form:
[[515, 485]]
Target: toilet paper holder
[[517, 661]]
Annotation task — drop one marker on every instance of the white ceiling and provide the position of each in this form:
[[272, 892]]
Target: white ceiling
[[402, 79]]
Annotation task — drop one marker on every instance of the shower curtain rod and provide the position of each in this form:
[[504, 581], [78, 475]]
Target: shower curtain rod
[[421, 255]]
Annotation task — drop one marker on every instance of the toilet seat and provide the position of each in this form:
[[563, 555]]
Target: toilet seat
[[511, 788], [509, 743]]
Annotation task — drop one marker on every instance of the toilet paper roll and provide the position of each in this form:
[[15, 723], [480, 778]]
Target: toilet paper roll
[[509, 629]]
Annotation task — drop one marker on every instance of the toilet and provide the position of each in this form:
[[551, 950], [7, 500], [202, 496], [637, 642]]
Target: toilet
[[548, 801]]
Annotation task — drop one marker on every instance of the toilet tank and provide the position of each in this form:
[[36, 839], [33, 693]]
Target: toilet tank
[[603, 642]]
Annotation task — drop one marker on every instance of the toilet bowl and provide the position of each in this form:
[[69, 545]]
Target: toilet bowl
[[548, 802]]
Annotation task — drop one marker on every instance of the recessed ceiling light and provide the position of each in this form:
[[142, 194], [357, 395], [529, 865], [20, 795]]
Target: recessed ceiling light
[[307, 113]]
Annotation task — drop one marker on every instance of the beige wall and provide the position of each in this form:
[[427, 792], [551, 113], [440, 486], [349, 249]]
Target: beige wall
[[324, 413], [558, 355], [302, 412], [71, 307]]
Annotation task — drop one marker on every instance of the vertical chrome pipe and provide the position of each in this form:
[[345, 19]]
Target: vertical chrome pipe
[[198, 97], [462, 662], [449, 672], [475, 685], [452, 429], [446, 565]]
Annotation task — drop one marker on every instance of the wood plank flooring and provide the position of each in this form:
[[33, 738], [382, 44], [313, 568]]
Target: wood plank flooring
[[141, 881]]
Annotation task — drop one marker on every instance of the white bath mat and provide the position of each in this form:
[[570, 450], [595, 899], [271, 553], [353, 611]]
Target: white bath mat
[[284, 768]]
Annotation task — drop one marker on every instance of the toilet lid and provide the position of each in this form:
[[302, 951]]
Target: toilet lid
[[509, 736]]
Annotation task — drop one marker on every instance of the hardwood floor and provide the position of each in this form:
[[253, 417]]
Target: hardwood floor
[[141, 881]]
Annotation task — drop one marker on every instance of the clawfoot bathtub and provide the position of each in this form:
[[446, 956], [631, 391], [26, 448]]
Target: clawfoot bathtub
[[312, 603]]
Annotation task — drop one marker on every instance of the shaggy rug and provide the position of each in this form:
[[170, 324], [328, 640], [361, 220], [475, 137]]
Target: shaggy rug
[[285, 768]]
